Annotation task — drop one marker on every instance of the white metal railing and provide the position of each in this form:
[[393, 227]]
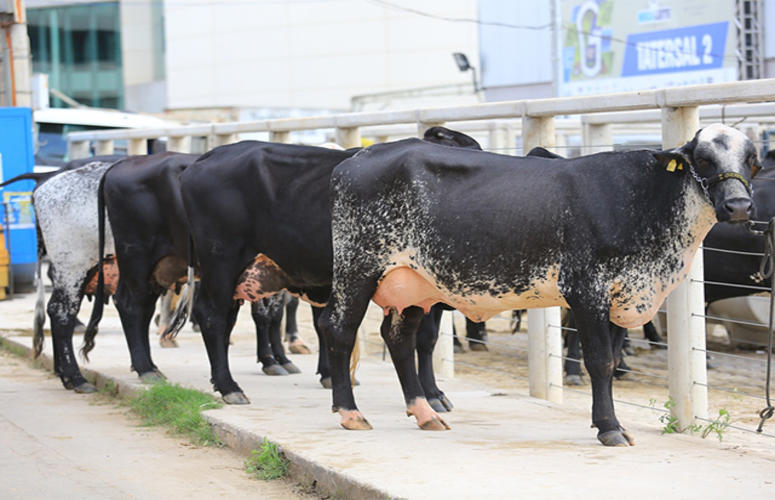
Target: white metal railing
[[677, 109]]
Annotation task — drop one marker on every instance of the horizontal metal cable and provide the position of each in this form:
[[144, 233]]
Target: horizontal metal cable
[[566, 328], [731, 391], [485, 369], [626, 370], [737, 428], [486, 342], [734, 285], [662, 410], [738, 252], [729, 355], [737, 321]]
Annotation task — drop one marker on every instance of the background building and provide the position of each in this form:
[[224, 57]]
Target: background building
[[220, 59]]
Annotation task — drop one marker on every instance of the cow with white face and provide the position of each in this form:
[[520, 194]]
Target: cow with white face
[[609, 235]]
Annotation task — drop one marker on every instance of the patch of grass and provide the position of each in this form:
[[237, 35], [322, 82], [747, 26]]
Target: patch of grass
[[109, 389], [669, 422], [267, 463], [178, 408], [13, 348]]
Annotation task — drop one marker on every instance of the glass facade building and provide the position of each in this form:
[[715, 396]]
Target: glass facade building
[[79, 47]]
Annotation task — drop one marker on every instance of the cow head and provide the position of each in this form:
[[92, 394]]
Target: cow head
[[723, 160]]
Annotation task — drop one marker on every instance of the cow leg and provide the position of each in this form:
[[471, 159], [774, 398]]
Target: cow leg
[[262, 317], [572, 359], [62, 309], [476, 334], [398, 331], [650, 333], [619, 339], [136, 304], [427, 335], [276, 341], [216, 321], [324, 367], [295, 344], [593, 326], [339, 323]]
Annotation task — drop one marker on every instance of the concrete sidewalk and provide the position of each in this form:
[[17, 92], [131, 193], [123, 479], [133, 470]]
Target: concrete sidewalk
[[502, 445]]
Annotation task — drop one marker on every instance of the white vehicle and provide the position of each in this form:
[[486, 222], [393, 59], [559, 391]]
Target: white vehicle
[[53, 124]]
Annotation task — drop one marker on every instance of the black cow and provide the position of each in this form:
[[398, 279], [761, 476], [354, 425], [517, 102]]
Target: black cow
[[260, 222], [609, 235]]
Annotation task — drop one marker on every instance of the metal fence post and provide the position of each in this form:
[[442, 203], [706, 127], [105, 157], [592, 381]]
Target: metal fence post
[[686, 305], [104, 147], [138, 147], [283, 136], [444, 352], [79, 149], [596, 137], [179, 144], [348, 137], [544, 335]]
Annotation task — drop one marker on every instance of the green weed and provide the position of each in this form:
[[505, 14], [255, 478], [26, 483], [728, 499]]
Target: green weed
[[718, 425], [267, 463], [178, 408]]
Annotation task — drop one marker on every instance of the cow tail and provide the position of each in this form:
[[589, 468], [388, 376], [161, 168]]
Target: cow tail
[[185, 306], [99, 294], [40, 309]]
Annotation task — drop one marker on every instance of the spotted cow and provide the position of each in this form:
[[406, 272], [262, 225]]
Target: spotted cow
[[609, 235]]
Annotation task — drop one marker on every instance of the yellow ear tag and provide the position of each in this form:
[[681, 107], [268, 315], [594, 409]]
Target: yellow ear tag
[[680, 166], [671, 166]]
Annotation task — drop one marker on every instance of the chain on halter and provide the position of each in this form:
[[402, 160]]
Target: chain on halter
[[707, 183]]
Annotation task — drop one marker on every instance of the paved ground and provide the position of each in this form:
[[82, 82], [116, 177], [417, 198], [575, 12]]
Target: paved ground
[[502, 444], [56, 444]]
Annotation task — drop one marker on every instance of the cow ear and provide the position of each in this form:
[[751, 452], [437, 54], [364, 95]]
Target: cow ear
[[672, 161]]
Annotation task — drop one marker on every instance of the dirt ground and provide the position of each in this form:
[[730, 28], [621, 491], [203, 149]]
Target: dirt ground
[[92, 448]]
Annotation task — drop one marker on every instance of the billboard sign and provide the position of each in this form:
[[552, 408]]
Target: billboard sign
[[617, 46]]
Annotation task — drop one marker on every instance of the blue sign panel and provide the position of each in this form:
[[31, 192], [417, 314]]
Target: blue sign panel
[[16, 157], [682, 49]]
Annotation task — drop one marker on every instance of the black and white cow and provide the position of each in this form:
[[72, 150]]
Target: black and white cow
[[608, 235], [260, 222], [66, 216]]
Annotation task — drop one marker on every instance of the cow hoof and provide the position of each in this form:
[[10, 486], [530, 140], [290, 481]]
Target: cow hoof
[[616, 438], [167, 342], [152, 377], [477, 347], [427, 419], [326, 382], [291, 368], [574, 380], [85, 388], [434, 424], [299, 347], [437, 406], [446, 402], [274, 369], [458, 349], [352, 420], [236, 398]]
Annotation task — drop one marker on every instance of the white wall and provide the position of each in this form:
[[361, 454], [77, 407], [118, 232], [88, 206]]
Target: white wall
[[310, 54]]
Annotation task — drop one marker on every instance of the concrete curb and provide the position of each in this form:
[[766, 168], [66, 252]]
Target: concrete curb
[[324, 481]]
